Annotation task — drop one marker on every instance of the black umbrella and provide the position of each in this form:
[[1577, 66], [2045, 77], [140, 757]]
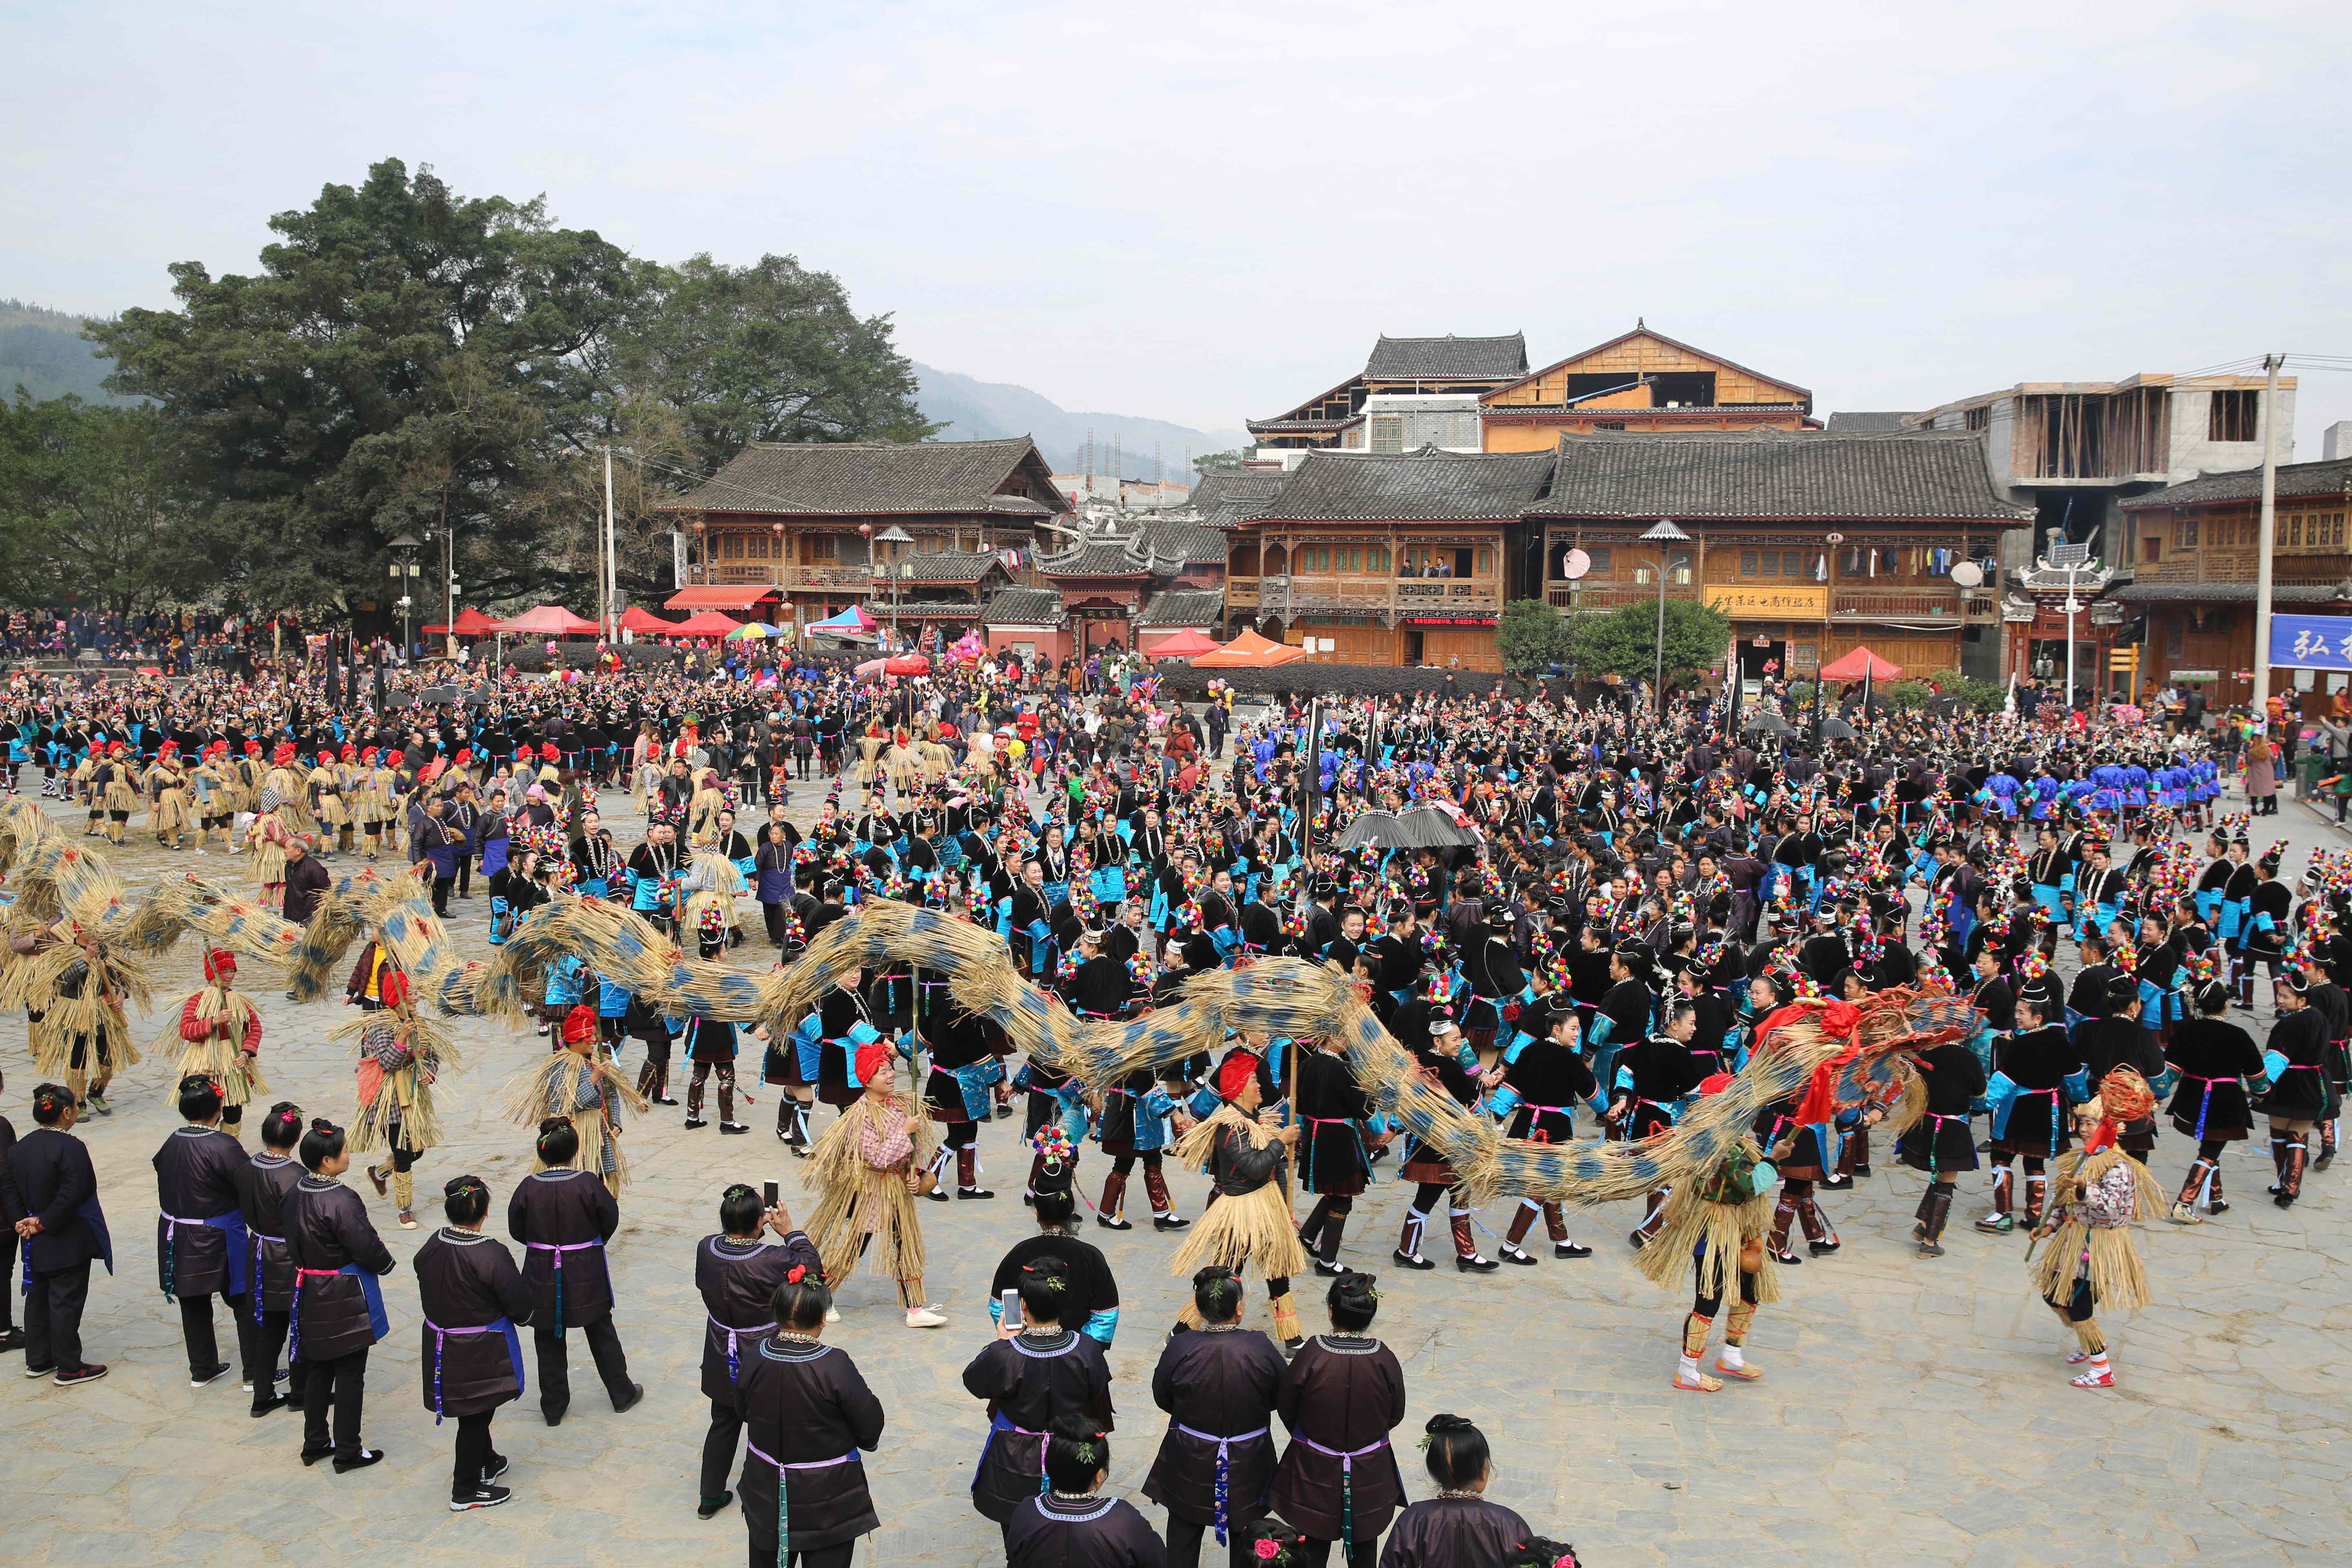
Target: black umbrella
[[1428, 827], [1836, 730], [1373, 830], [1772, 724]]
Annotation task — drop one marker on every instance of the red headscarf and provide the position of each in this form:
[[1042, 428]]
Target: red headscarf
[[873, 1059], [580, 1024], [219, 963], [1239, 1067]]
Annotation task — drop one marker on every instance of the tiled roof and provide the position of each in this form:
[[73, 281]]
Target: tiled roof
[[1428, 485], [1177, 540], [952, 565], [1100, 556], [1227, 496], [2228, 593], [861, 478], [1026, 607], [1288, 425], [1778, 475], [1406, 359], [1593, 411], [1184, 608], [2328, 478], [1879, 423]]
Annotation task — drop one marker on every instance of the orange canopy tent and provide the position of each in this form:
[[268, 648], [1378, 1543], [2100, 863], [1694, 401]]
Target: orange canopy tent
[[705, 624], [1862, 664], [1183, 645], [1249, 651], [547, 621]]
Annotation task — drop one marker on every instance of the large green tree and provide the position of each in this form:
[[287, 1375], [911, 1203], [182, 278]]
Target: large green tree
[[93, 509], [1625, 642]]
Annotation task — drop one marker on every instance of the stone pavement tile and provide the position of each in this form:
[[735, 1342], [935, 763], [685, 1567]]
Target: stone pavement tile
[[78, 1547], [1987, 1509]]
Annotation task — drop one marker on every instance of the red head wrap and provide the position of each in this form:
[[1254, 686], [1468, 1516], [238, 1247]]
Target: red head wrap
[[326, 759], [1238, 1067], [873, 1060], [547, 753], [395, 758], [253, 748], [349, 752], [580, 1024], [219, 963], [465, 755], [284, 754]]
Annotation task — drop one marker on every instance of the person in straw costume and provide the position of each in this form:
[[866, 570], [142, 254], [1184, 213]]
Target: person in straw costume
[[2095, 1192], [219, 1035], [867, 1169], [1248, 1218], [400, 1055], [325, 792], [1718, 1222], [167, 793], [73, 988], [579, 1082]]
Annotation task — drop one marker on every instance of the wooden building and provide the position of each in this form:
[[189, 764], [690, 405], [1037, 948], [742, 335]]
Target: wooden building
[[1412, 392], [930, 530], [1639, 380], [2193, 557], [1384, 559], [1814, 543]]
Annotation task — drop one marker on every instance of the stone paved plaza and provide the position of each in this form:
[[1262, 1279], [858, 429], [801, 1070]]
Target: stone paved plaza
[[1912, 1411]]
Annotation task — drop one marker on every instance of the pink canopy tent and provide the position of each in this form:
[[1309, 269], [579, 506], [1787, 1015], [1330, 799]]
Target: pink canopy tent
[[471, 623], [704, 624], [547, 621], [644, 623], [1861, 665], [1183, 645]]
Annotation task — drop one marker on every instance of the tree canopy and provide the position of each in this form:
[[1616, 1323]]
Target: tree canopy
[[1625, 642], [92, 506], [411, 360]]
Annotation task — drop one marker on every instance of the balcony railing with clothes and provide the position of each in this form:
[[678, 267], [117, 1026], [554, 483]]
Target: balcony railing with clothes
[[1897, 603], [777, 574]]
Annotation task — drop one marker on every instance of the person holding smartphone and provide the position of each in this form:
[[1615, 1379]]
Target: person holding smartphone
[[738, 1275]]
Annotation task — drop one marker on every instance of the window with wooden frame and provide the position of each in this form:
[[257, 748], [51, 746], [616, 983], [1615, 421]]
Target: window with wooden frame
[[1485, 563], [1387, 435], [2184, 533], [2234, 417], [818, 549], [1979, 419]]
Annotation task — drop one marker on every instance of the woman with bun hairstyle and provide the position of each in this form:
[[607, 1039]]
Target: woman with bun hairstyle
[[472, 1297], [563, 1216], [736, 1276], [2215, 1059], [1458, 1528], [807, 1413], [1034, 1374], [1343, 1394], [1069, 1525], [1220, 1385], [337, 1307], [269, 1266]]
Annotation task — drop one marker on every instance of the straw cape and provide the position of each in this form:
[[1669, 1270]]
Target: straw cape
[[1254, 1228], [226, 1015], [586, 1089], [2118, 1279], [855, 1199], [400, 1055], [1718, 1222]]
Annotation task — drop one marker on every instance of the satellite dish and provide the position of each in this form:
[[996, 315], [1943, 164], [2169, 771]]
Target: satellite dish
[[1967, 574], [1575, 565]]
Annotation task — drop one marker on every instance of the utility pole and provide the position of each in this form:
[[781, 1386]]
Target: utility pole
[[610, 577], [2271, 363]]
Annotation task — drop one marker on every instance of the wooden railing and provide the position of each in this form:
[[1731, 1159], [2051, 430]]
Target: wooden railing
[[2207, 565], [1902, 603], [1612, 595], [1364, 593], [777, 574]]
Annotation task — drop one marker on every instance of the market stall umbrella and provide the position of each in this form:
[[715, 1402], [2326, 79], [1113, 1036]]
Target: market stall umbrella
[[547, 621], [853, 622], [1249, 651], [752, 631], [471, 623], [1861, 665], [707, 623], [1183, 645]]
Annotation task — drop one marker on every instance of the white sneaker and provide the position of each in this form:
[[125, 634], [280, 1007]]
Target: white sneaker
[[925, 1316]]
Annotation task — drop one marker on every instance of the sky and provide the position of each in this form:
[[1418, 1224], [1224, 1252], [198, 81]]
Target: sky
[[1207, 211]]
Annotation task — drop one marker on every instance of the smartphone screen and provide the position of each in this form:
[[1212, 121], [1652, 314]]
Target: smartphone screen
[[1012, 1308], [771, 1187]]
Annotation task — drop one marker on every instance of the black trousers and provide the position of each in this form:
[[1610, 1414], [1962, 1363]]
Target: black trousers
[[1318, 1554], [473, 1453], [718, 1446], [52, 1318], [555, 1371], [269, 1341], [820, 1557], [465, 875], [773, 915], [441, 886], [203, 1346], [340, 1383], [1184, 1539], [9, 1276]]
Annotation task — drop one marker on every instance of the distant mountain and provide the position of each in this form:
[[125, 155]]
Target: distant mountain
[[43, 352], [975, 410]]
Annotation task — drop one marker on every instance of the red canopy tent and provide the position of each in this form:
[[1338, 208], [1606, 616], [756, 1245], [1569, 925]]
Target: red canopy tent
[[704, 624], [1249, 651], [644, 623], [471, 623], [1183, 645], [547, 621], [1861, 665]]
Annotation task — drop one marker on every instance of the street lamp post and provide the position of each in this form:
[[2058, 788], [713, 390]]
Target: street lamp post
[[1664, 534], [404, 568], [896, 538]]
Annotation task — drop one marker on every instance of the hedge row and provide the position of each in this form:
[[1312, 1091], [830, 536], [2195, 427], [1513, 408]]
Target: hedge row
[[1309, 680]]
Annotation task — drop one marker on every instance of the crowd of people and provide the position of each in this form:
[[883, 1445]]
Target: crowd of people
[[1577, 919]]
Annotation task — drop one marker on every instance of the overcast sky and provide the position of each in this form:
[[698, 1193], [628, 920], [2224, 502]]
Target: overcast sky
[[1207, 211]]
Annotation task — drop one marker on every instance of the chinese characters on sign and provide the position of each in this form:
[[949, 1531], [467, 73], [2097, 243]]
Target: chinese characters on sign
[[2311, 642]]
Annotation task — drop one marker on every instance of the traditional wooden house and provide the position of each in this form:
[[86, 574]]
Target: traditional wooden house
[[1412, 392], [1812, 543], [2194, 550], [1384, 559], [931, 530], [1639, 380]]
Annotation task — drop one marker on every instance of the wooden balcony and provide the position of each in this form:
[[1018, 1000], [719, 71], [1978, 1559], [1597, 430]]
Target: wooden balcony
[[2238, 565], [1897, 603], [1592, 598], [1365, 593], [777, 574]]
